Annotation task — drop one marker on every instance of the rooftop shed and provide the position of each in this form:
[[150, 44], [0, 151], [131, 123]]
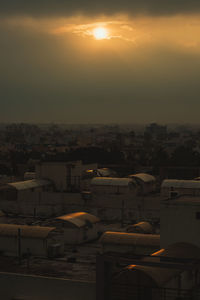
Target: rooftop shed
[[35, 240], [189, 187], [134, 243], [78, 227], [111, 185], [79, 219], [29, 184], [146, 182], [141, 227]]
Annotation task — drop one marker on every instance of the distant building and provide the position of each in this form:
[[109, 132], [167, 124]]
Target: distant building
[[156, 130]]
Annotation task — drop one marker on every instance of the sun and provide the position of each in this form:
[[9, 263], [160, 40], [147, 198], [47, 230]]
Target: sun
[[100, 33]]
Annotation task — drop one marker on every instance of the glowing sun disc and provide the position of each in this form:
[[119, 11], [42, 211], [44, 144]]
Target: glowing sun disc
[[100, 33]]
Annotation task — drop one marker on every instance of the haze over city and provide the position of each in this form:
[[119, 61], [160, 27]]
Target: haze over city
[[99, 149], [143, 67]]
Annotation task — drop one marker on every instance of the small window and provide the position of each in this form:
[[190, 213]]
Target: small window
[[198, 215]]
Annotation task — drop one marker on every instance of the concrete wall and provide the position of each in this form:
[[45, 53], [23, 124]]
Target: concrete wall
[[42, 288], [179, 223]]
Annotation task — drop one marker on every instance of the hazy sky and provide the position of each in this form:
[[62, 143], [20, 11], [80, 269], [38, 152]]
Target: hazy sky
[[147, 69]]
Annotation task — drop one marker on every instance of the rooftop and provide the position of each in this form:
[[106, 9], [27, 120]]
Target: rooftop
[[144, 177], [25, 231], [79, 219], [29, 184], [136, 239], [110, 181], [186, 184]]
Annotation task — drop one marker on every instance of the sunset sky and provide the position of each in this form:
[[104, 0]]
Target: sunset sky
[[145, 67]]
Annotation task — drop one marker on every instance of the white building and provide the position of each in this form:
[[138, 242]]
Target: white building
[[79, 227], [21, 189], [109, 185], [25, 198], [135, 243], [173, 187], [146, 182], [34, 240], [180, 221]]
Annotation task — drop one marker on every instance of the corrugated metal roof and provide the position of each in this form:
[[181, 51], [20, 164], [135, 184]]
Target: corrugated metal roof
[[137, 239], [186, 184], [144, 177], [110, 181], [26, 231], [79, 219], [29, 184]]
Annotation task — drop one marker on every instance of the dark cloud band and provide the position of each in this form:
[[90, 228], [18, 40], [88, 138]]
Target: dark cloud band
[[89, 7]]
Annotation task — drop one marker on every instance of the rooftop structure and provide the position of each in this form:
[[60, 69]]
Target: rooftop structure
[[78, 227], [144, 177], [141, 227], [17, 240], [135, 243], [180, 187], [29, 184], [179, 221], [166, 274], [123, 238], [25, 231], [79, 219], [111, 181], [146, 182]]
